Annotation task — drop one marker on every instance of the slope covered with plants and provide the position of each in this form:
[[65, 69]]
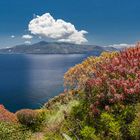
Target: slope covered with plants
[[109, 98], [101, 102]]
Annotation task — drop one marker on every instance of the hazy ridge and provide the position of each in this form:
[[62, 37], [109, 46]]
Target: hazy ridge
[[55, 48]]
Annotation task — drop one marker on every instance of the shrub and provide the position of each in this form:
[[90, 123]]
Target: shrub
[[31, 118], [134, 127], [108, 90], [7, 116], [10, 131], [116, 81], [88, 133], [109, 126], [77, 76]]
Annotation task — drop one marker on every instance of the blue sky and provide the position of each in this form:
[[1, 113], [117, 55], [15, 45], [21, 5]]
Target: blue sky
[[106, 21]]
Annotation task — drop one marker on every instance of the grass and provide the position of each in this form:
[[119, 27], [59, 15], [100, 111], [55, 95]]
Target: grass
[[57, 113], [54, 118]]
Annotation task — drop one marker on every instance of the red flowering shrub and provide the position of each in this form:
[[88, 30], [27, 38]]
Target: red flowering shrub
[[7, 116], [116, 81], [108, 91]]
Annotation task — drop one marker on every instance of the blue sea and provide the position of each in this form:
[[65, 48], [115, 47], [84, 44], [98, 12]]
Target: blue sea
[[28, 81]]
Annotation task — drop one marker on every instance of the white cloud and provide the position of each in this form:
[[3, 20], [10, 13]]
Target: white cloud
[[27, 37], [12, 36], [27, 42], [122, 45], [56, 29]]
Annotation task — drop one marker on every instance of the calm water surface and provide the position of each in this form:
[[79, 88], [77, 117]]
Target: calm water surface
[[28, 81]]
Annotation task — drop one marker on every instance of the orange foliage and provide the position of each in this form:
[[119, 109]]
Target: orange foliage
[[7, 116]]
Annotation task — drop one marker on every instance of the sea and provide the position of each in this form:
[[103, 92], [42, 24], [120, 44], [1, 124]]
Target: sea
[[30, 80]]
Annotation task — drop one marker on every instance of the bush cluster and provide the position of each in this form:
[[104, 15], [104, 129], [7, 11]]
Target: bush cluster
[[6, 116], [109, 97], [116, 81], [10, 131], [77, 76], [32, 119]]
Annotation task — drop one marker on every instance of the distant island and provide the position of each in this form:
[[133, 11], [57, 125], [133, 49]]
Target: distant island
[[55, 48]]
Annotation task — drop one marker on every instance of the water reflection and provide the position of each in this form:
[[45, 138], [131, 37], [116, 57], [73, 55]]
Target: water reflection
[[27, 81]]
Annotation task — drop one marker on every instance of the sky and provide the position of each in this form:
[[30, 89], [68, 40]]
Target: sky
[[100, 22]]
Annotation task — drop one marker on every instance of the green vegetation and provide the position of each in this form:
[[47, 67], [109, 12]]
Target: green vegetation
[[108, 96], [9, 131], [102, 105], [32, 119]]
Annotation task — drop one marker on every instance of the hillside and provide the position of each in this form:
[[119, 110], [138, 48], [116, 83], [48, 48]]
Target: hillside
[[101, 101], [55, 48]]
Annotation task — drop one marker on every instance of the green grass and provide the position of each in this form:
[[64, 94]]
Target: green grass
[[56, 115]]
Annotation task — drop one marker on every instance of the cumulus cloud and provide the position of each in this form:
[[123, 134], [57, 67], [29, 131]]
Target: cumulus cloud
[[27, 37], [122, 45], [57, 29], [27, 42], [12, 36]]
